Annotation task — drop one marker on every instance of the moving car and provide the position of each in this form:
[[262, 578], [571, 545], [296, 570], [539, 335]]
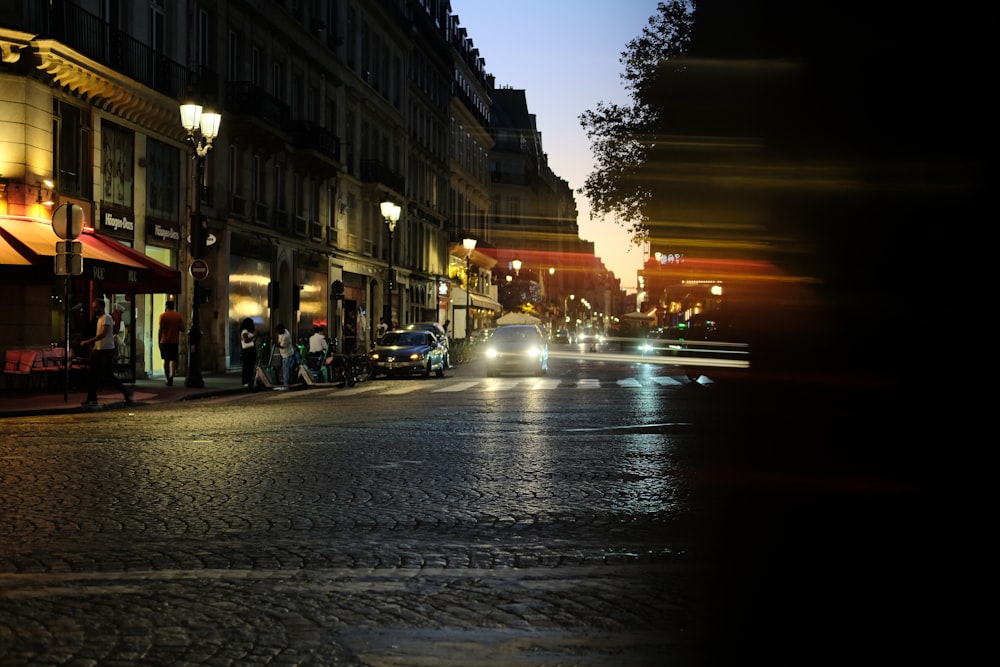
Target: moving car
[[517, 348], [408, 352], [714, 343], [590, 336]]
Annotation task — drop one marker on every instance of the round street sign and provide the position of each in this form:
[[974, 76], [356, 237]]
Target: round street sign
[[199, 269], [67, 221]]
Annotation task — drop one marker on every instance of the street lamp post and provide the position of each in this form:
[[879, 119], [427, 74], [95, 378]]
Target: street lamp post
[[469, 244], [202, 128], [390, 212], [571, 297]]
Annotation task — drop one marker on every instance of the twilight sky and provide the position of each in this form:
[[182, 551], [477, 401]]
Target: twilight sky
[[565, 55]]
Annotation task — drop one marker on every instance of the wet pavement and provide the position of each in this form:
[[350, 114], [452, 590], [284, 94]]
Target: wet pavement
[[205, 533], [278, 535]]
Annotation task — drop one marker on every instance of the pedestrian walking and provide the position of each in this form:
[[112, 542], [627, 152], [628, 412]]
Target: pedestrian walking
[[169, 336], [248, 351], [381, 329], [102, 356]]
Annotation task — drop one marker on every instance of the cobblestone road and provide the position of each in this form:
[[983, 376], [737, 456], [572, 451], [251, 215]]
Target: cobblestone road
[[263, 530]]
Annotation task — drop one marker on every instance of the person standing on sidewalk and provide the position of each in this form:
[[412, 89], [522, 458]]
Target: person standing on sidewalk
[[171, 324], [248, 351], [102, 357], [287, 349]]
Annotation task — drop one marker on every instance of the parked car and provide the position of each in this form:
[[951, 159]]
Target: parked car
[[482, 335], [436, 327], [517, 348], [563, 337], [408, 352], [438, 330]]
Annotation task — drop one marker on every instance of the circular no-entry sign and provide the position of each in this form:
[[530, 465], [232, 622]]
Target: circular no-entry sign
[[199, 269]]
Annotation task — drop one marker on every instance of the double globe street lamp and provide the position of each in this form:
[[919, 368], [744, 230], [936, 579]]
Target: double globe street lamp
[[469, 244], [202, 128], [390, 212]]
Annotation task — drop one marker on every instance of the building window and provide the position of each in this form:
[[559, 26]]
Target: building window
[[277, 81], [203, 37], [300, 196], [233, 66], [257, 184], [157, 27], [234, 172], [162, 170], [117, 160], [279, 188], [70, 150]]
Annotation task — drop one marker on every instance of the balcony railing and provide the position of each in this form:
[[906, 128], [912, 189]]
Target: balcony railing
[[244, 97], [307, 135], [375, 171], [91, 36]]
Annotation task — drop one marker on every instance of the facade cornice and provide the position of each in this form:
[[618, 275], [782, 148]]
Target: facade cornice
[[108, 89], [12, 44]]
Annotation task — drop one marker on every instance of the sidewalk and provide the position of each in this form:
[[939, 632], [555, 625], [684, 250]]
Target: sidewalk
[[146, 392]]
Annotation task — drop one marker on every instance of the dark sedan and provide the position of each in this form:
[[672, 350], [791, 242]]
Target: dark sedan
[[517, 348], [408, 353]]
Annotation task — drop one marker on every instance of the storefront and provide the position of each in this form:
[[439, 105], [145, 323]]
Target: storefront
[[51, 309]]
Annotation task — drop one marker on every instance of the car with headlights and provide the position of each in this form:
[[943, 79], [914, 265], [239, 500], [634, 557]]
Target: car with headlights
[[590, 336], [409, 352], [437, 329], [563, 337], [516, 348]]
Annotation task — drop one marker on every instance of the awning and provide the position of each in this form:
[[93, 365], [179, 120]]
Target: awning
[[486, 302], [162, 279], [116, 267], [10, 256], [458, 298]]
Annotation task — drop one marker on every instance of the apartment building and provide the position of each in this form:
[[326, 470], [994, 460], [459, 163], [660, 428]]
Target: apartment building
[[328, 109]]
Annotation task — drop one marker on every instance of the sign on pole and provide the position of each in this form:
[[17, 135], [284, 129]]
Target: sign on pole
[[69, 258], [199, 269], [67, 221]]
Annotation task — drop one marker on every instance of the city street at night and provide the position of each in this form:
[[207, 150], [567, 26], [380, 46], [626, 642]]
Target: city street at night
[[605, 514]]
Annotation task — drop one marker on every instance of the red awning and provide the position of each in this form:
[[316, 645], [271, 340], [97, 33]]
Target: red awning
[[116, 267], [162, 279]]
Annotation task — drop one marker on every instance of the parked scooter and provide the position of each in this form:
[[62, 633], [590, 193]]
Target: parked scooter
[[328, 367]]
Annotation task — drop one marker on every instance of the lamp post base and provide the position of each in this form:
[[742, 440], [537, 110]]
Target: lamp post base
[[194, 378], [194, 383]]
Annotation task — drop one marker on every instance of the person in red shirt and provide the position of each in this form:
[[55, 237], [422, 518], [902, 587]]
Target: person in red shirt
[[171, 325]]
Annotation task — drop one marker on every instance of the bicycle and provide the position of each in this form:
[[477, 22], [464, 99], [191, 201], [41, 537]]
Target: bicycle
[[462, 350], [360, 365]]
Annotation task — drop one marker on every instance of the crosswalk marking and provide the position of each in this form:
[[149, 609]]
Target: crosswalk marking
[[459, 386], [407, 388], [500, 385], [402, 388]]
